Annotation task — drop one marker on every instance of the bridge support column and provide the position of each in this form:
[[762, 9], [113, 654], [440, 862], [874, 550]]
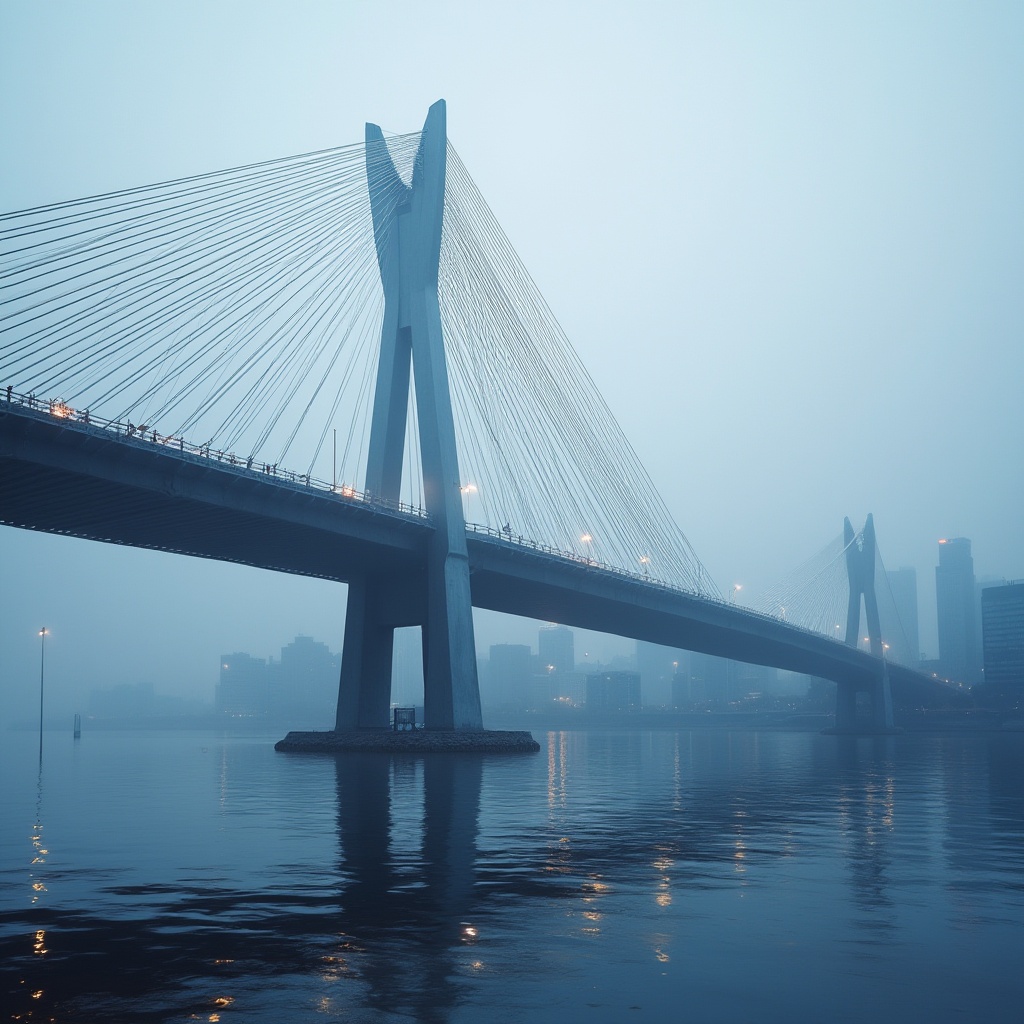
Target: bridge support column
[[407, 222], [881, 703], [364, 693]]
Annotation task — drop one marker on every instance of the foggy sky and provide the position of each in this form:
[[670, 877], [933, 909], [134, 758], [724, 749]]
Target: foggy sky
[[786, 240]]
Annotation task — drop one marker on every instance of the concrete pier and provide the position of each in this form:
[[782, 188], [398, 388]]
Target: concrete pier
[[419, 741]]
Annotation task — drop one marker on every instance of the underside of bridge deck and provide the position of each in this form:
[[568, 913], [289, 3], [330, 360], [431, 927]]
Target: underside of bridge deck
[[71, 481]]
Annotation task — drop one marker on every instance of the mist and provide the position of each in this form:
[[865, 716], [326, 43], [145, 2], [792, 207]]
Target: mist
[[786, 241]]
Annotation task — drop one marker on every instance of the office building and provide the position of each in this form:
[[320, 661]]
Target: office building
[[242, 687], [609, 692], [303, 685], [959, 646], [556, 650], [1002, 626]]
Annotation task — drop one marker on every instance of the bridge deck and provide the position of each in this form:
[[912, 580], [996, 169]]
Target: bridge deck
[[83, 481]]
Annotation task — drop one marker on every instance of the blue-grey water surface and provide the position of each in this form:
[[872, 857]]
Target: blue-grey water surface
[[693, 876]]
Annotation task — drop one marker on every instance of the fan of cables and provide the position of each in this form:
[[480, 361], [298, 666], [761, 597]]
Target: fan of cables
[[541, 454], [242, 309]]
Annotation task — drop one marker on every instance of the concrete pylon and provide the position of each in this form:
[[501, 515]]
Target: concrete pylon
[[407, 222], [860, 571]]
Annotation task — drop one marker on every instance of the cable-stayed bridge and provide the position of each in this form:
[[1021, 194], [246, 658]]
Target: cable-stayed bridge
[[335, 365]]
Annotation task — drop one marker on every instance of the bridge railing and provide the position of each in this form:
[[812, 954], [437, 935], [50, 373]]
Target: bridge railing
[[84, 420], [519, 541]]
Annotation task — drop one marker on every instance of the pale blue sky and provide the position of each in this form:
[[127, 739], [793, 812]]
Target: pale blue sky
[[786, 239]]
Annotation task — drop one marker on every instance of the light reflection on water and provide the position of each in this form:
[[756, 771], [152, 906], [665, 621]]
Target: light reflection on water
[[691, 876]]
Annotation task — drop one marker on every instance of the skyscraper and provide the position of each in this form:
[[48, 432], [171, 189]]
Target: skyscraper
[[556, 650], [959, 649], [1002, 625]]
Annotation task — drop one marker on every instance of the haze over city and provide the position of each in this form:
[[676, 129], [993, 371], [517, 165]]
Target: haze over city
[[785, 241]]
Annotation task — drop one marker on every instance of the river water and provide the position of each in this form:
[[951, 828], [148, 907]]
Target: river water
[[692, 876]]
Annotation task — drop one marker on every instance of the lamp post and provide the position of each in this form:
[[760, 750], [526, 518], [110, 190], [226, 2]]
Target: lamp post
[[42, 666], [586, 539]]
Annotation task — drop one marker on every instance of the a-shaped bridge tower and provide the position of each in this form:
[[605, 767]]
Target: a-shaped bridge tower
[[860, 571], [408, 240]]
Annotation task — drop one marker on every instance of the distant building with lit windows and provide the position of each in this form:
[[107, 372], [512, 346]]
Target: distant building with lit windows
[[298, 691], [613, 691], [556, 649]]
